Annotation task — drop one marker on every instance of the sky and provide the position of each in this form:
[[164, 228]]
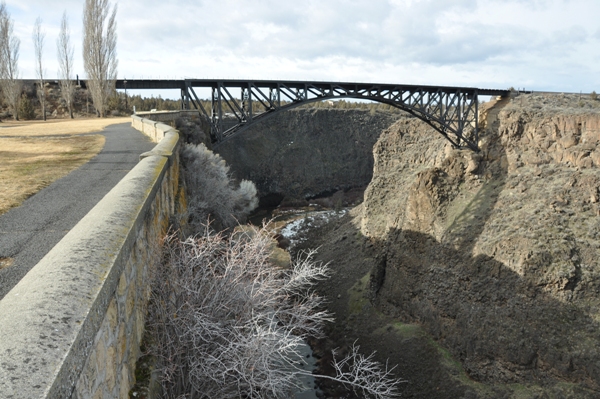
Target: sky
[[541, 45]]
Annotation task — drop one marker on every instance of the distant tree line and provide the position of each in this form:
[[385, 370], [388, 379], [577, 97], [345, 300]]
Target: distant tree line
[[164, 104], [149, 103]]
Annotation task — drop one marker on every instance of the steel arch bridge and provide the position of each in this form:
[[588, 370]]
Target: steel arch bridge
[[452, 111]]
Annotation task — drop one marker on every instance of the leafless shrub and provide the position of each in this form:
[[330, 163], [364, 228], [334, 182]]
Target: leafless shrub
[[211, 191], [228, 324], [194, 130], [26, 110]]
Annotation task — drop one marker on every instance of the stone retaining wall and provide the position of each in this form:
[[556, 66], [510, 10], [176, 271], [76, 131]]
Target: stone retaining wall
[[155, 128], [73, 325], [167, 116]]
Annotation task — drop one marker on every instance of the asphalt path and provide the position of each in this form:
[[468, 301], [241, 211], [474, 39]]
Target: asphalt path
[[29, 232]]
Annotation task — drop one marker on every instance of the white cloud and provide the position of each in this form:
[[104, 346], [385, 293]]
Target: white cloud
[[545, 44]]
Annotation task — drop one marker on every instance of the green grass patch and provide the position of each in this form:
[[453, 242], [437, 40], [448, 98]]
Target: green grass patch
[[453, 366], [358, 300], [404, 330], [447, 359]]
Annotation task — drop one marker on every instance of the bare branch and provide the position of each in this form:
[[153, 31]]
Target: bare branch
[[365, 375], [9, 58]]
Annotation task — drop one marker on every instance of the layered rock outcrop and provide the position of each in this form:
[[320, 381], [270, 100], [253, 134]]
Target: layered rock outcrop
[[485, 265], [497, 254]]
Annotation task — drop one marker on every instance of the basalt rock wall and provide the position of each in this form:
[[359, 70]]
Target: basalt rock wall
[[304, 153]]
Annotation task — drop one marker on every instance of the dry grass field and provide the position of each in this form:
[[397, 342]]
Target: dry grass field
[[33, 154], [60, 127]]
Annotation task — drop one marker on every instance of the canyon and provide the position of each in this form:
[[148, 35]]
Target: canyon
[[476, 273]]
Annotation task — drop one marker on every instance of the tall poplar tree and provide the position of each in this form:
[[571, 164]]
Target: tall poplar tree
[[100, 51], [38, 44], [65, 64]]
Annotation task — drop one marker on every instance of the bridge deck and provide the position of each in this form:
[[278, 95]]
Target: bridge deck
[[210, 83]]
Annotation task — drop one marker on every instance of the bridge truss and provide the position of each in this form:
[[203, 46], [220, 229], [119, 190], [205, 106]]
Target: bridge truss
[[237, 104]]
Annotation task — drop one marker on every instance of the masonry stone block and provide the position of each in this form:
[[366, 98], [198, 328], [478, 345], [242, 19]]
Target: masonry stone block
[[121, 346], [125, 384], [111, 315], [122, 286]]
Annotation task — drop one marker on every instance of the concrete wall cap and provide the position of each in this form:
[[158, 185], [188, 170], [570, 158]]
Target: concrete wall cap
[[155, 153], [166, 147], [164, 127], [48, 321]]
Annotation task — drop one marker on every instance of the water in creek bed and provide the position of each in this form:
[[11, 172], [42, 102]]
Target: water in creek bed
[[291, 224], [308, 363]]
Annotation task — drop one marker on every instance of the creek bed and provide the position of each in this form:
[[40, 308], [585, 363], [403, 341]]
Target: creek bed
[[291, 224]]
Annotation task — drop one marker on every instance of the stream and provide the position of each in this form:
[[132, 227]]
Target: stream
[[291, 224]]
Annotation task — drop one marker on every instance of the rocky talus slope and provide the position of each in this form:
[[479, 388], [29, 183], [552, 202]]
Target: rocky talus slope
[[490, 259]]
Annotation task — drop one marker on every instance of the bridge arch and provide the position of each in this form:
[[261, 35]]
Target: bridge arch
[[463, 137]]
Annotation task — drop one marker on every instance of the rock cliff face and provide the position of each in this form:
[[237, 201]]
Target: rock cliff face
[[496, 255], [479, 274], [303, 153]]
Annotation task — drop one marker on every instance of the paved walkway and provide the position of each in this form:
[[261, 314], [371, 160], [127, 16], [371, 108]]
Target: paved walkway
[[28, 232]]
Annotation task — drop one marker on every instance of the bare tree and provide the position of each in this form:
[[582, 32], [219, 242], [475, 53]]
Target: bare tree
[[65, 63], [38, 44], [9, 57], [100, 51]]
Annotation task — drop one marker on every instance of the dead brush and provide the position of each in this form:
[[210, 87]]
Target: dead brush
[[228, 324], [212, 192]]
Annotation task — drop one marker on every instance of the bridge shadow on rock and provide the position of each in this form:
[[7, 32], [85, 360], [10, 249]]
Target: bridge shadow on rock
[[457, 326]]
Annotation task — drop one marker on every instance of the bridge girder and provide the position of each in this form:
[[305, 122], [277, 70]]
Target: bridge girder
[[452, 111]]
